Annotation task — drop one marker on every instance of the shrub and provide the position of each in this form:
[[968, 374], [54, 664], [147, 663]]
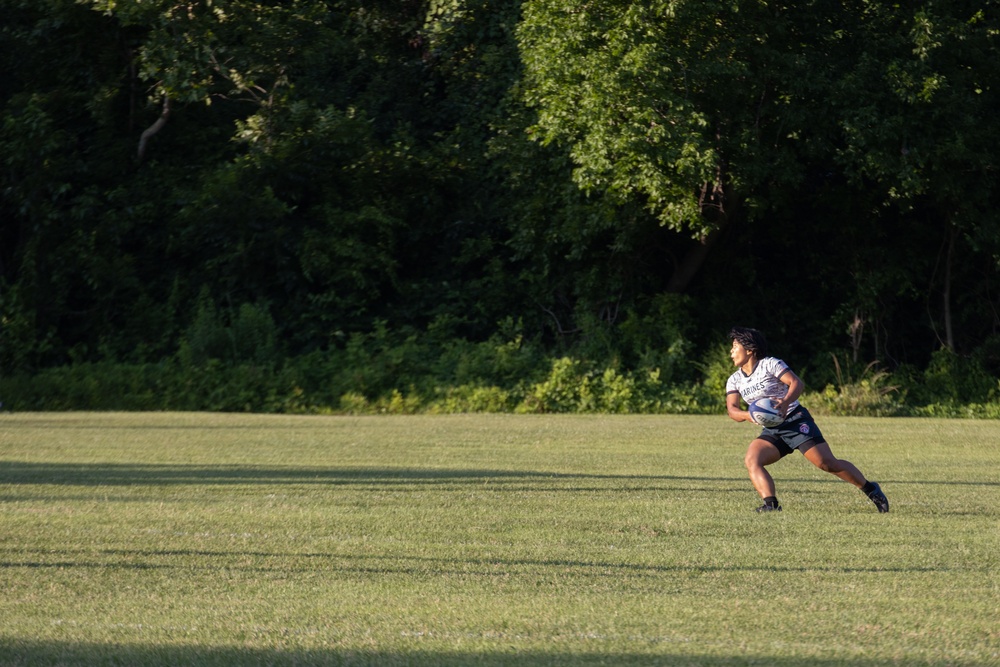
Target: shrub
[[87, 386], [659, 338], [395, 403], [467, 398], [870, 394], [247, 336], [716, 366], [559, 392], [403, 372], [952, 377], [958, 411]]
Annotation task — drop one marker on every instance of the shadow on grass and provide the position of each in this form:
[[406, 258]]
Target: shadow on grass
[[120, 474], [114, 474], [366, 565], [18, 653]]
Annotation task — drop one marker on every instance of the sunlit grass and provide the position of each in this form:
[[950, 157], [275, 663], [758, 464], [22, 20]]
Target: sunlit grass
[[563, 540]]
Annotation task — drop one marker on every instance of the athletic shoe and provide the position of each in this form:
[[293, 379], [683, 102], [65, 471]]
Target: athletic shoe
[[768, 508], [877, 497]]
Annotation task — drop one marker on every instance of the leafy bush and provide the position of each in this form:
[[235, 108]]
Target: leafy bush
[[249, 336], [466, 399], [952, 377], [506, 359], [218, 387], [403, 372], [560, 391], [716, 367], [18, 339], [87, 386], [575, 386], [394, 403], [870, 394], [957, 411], [379, 362], [660, 338]]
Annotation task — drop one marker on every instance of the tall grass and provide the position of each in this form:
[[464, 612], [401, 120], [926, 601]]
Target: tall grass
[[170, 538]]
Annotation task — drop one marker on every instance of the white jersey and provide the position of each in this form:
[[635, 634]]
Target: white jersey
[[764, 381]]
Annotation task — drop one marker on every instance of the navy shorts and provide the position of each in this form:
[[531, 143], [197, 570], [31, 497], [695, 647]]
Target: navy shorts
[[797, 430]]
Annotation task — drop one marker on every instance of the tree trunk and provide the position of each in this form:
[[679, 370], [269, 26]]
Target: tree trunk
[[154, 128], [723, 205], [692, 262], [949, 333]]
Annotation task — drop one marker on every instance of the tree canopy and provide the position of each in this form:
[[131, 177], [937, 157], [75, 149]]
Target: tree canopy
[[618, 178]]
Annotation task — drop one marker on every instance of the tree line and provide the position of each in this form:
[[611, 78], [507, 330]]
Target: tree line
[[413, 195]]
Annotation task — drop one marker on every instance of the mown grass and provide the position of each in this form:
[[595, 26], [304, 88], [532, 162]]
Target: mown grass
[[491, 540]]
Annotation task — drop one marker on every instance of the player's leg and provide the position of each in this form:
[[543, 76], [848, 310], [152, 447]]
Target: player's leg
[[759, 454], [819, 454]]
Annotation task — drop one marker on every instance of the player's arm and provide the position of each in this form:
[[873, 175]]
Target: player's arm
[[735, 410], [795, 387]]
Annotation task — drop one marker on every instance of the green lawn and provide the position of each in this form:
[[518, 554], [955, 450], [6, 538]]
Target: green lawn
[[489, 540]]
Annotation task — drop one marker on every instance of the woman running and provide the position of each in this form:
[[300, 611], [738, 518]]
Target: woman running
[[758, 376]]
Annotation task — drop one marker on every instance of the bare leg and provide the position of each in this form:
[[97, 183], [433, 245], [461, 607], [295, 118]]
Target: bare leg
[[819, 455], [761, 453]]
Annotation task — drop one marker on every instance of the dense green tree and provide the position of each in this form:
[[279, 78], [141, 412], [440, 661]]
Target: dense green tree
[[317, 157], [58, 136], [838, 135], [917, 110], [619, 181]]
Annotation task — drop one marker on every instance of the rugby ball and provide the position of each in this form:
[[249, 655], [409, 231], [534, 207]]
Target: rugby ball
[[762, 412]]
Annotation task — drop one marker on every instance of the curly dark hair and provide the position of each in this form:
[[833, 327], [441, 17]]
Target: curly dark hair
[[752, 339]]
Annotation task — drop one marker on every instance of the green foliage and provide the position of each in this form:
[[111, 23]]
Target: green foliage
[[19, 344], [564, 390], [951, 386], [100, 386], [687, 107], [374, 375], [207, 337], [716, 367], [246, 336], [505, 359], [394, 403], [472, 399], [467, 205], [951, 410], [576, 386], [953, 378], [255, 336], [588, 73], [870, 394]]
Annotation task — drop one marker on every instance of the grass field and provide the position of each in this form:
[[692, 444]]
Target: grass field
[[167, 539]]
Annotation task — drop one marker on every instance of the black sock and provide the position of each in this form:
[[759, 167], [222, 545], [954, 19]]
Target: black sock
[[771, 501], [868, 488]]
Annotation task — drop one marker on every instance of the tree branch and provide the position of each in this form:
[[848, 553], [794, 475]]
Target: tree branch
[[154, 128]]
